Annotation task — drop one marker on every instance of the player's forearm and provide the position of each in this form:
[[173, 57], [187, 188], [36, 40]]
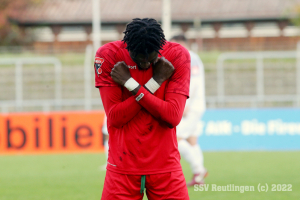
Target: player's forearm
[[118, 112], [169, 110], [122, 113]]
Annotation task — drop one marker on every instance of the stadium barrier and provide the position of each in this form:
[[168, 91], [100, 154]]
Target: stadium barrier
[[244, 79], [261, 94], [250, 129], [53, 132], [220, 130]]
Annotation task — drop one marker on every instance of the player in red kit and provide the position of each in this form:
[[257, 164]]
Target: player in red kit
[[144, 83]]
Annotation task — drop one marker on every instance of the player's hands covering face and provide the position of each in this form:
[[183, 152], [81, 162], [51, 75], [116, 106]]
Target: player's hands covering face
[[162, 70], [120, 73]]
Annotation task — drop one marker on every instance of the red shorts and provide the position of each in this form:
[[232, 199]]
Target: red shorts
[[169, 185]]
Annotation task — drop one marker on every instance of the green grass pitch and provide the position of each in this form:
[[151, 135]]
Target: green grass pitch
[[78, 176]]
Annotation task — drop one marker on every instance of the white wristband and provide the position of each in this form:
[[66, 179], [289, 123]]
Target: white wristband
[[152, 85], [131, 84]]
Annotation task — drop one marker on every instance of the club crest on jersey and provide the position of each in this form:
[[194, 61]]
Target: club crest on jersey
[[98, 63]]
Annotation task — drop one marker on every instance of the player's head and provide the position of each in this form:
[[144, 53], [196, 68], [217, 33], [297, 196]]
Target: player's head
[[181, 39], [144, 38]]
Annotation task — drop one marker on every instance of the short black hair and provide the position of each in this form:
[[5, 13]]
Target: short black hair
[[144, 36], [180, 37]]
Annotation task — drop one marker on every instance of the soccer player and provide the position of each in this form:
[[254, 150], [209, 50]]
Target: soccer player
[[144, 83], [190, 126]]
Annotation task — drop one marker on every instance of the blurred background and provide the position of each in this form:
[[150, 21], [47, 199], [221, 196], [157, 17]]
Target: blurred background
[[49, 105]]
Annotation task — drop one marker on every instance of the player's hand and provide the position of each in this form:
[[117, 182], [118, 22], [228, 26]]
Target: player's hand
[[162, 70], [120, 73]]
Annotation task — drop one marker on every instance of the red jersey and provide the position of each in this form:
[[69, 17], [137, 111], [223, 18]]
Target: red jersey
[[142, 134]]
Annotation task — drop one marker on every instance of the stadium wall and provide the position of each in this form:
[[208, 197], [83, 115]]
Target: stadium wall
[[220, 130], [207, 44], [250, 130], [53, 132]]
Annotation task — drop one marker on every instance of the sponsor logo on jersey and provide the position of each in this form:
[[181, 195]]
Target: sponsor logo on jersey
[[131, 67], [98, 63]]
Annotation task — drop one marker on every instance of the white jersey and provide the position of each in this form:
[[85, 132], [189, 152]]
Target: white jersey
[[196, 102], [190, 124]]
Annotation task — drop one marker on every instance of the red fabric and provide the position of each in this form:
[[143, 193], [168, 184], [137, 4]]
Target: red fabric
[[169, 110], [118, 112], [170, 185], [143, 141], [121, 187]]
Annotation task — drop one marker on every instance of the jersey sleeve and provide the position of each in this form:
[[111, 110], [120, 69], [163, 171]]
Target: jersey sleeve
[[179, 82], [103, 64], [169, 110], [118, 112]]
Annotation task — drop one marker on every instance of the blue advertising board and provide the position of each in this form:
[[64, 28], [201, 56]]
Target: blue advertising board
[[250, 129]]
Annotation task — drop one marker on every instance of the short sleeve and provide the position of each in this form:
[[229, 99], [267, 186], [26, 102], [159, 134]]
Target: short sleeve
[[179, 82], [103, 64]]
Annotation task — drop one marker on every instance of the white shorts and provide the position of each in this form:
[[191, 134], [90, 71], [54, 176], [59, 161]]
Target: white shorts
[[190, 126], [104, 126], [104, 130]]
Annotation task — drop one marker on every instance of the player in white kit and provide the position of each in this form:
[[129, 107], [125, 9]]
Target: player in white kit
[[190, 126], [106, 137]]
